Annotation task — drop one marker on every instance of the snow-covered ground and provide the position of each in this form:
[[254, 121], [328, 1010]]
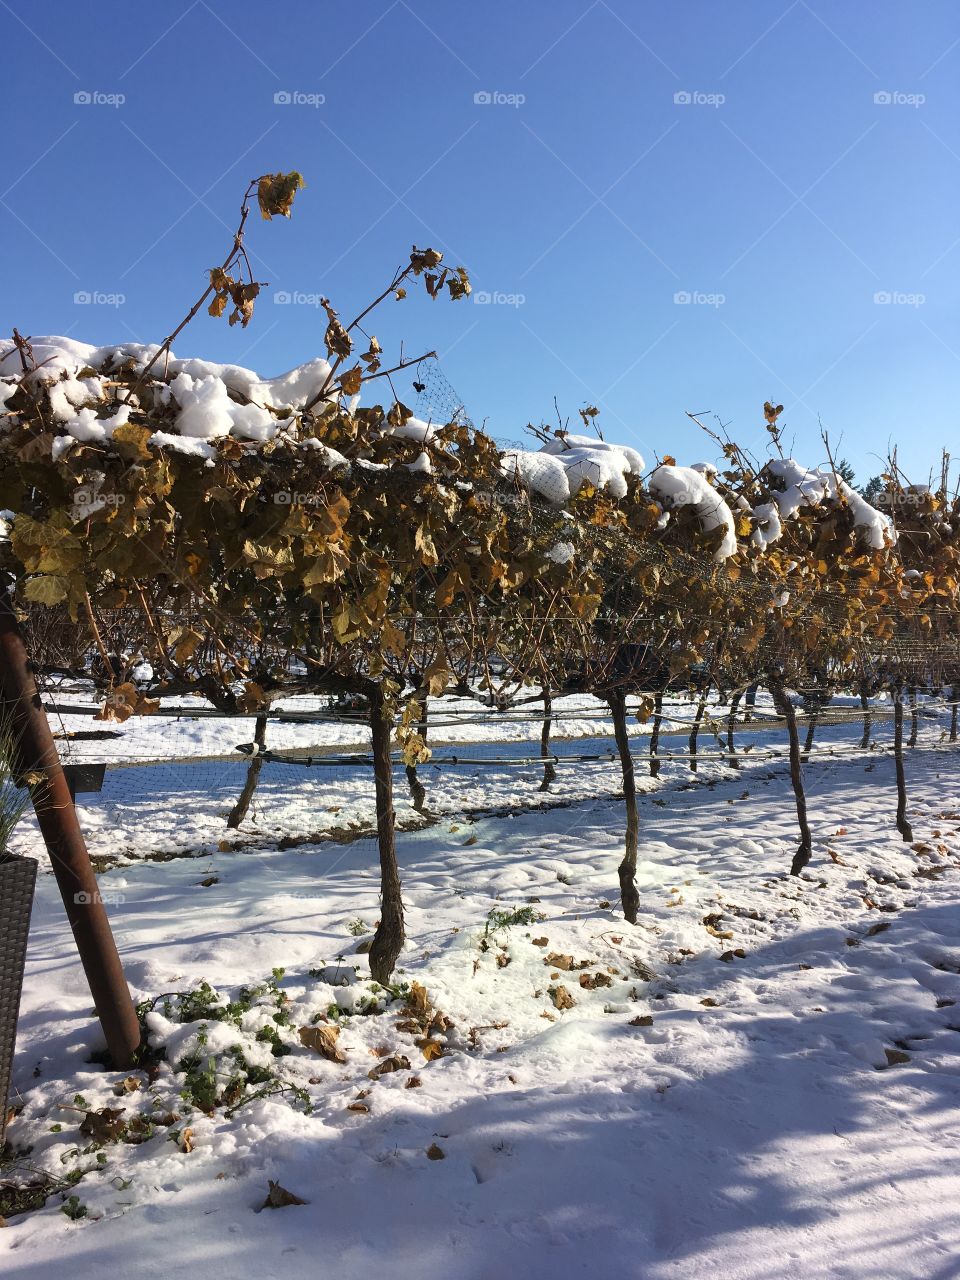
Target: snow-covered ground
[[186, 774], [767, 1086]]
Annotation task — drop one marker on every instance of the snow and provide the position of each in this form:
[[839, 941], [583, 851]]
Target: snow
[[539, 473], [183, 444], [86, 426], [595, 462], [71, 393], [58, 355], [413, 429], [421, 463], [562, 552], [200, 388], [560, 469], [769, 529], [204, 406], [750, 1127], [813, 488], [690, 487]]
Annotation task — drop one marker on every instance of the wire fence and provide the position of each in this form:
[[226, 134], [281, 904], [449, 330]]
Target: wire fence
[[171, 782]]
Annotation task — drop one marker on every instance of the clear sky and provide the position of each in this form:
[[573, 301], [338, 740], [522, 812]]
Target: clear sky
[[792, 169]]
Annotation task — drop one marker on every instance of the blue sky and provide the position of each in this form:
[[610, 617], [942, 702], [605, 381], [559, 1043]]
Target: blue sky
[[791, 169]]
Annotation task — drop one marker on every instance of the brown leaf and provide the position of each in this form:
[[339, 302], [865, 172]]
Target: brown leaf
[[186, 1141], [323, 1039], [591, 981], [435, 1153], [131, 440], [104, 1125], [279, 1197], [561, 997], [414, 1082], [275, 192], [396, 1062], [645, 1020], [558, 960], [418, 1002]]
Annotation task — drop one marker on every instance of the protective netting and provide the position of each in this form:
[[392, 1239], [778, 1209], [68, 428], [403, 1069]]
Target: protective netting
[[172, 781], [438, 401]]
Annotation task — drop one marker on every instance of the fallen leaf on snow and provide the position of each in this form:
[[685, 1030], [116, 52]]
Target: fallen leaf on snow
[[397, 1062], [323, 1039], [435, 1153], [279, 1197], [104, 1125], [879, 927]]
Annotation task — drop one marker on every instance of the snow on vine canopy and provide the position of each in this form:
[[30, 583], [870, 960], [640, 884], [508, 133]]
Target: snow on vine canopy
[[691, 487], [77, 377], [812, 488], [559, 470]]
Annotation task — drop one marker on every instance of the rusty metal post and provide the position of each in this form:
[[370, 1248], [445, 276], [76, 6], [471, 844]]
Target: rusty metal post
[[38, 762]]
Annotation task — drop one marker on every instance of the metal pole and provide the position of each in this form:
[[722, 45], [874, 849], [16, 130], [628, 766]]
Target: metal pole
[[38, 764]]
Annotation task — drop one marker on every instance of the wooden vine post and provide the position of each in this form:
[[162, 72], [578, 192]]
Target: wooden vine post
[[903, 824], [785, 708], [629, 894], [388, 939], [37, 763]]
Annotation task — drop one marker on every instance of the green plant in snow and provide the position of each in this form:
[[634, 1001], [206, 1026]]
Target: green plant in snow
[[498, 919], [73, 1208]]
